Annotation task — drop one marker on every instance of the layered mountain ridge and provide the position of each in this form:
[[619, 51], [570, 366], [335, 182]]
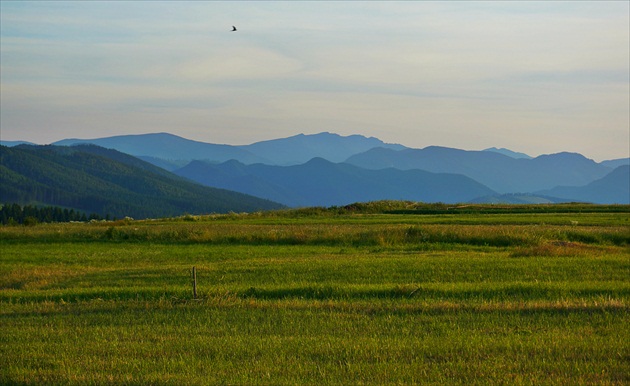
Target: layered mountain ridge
[[327, 169]]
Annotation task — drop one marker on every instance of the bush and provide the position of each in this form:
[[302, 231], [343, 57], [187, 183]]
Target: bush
[[30, 221]]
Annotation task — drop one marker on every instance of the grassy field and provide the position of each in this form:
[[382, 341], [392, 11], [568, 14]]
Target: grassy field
[[430, 295]]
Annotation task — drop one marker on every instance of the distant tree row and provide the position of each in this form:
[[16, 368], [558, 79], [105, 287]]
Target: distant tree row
[[13, 214]]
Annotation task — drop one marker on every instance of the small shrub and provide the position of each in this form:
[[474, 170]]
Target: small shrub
[[30, 221]]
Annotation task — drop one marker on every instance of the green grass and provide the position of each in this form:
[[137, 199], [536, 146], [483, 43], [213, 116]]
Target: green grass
[[301, 297]]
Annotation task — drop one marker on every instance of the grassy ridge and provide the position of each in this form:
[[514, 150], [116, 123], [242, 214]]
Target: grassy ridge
[[302, 299]]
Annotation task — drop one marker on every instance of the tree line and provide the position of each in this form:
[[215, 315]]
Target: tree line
[[14, 214]]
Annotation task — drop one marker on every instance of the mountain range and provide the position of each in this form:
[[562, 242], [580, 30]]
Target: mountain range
[[172, 152], [328, 169], [612, 188], [497, 171], [320, 182]]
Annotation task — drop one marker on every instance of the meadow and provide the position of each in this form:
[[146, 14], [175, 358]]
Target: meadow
[[375, 295]]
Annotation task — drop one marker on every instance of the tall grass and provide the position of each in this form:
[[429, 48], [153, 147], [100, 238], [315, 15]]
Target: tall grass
[[279, 343], [378, 232], [317, 299]]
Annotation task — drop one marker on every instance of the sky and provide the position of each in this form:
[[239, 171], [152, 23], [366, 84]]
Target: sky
[[538, 77]]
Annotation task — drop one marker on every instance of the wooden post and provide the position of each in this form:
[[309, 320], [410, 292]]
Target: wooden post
[[194, 280]]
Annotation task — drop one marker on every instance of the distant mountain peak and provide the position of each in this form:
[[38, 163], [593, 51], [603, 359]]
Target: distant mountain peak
[[15, 143], [318, 161], [613, 188], [565, 157], [301, 148], [509, 153]]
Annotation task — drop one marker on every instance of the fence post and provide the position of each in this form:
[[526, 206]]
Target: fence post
[[194, 282]]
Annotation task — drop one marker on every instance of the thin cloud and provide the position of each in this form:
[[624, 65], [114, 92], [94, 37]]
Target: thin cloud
[[532, 76]]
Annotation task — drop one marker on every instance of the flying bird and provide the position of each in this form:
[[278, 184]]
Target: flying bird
[[233, 28]]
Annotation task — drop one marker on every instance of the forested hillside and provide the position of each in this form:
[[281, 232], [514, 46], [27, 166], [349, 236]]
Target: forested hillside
[[91, 179]]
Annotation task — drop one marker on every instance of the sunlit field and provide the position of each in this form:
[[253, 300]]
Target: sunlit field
[[523, 295]]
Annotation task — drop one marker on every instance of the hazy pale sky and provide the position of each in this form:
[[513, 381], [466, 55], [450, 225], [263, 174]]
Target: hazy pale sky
[[533, 76]]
